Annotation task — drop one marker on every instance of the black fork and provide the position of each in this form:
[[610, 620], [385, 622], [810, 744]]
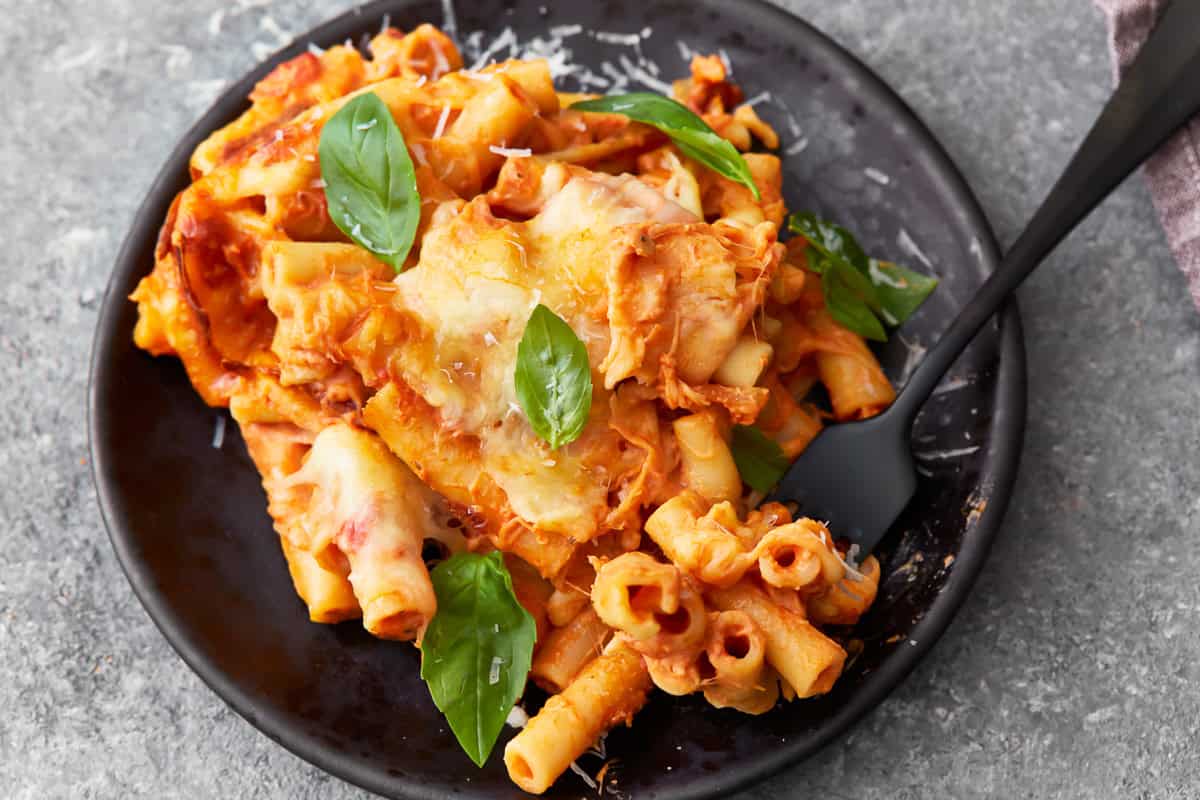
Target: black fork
[[859, 476]]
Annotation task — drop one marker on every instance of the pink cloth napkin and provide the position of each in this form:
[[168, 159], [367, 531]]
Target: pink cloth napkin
[[1174, 172]]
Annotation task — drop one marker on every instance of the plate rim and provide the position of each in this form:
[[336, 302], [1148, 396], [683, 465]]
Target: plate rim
[[1011, 393]]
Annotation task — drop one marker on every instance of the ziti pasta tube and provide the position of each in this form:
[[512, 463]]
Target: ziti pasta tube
[[806, 658], [567, 650], [609, 690]]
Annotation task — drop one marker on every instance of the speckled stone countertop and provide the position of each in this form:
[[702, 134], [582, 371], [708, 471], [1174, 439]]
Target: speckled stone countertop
[[1073, 671]]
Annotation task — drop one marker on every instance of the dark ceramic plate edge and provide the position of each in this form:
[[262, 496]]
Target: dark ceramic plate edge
[[1011, 383]]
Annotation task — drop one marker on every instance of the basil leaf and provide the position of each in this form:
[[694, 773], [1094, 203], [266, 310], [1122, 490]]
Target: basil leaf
[[901, 291], [553, 378], [759, 459], [832, 241], [370, 186], [859, 291], [848, 308], [690, 134], [858, 283], [477, 650]]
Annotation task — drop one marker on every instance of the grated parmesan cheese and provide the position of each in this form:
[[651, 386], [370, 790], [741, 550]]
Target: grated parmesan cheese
[[449, 21], [442, 64], [793, 124], [494, 671], [600, 748], [797, 146], [214, 22], [878, 176], [218, 437], [952, 385], [640, 75], [441, 123], [726, 61], [909, 246], [510, 152], [851, 571], [881, 278], [608, 37], [479, 51], [941, 455], [619, 81], [916, 352], [588, 78], [517, 718], [578, 770], [761, 97], [506, 39]]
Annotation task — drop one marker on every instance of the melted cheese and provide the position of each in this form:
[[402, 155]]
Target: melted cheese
[[367, 516], [655, 295]]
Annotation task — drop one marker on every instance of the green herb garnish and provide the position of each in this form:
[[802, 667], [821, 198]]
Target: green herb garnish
[[553, 379], [690, 134], [759, 459], [370, 186], [477, 650], [861, 293]]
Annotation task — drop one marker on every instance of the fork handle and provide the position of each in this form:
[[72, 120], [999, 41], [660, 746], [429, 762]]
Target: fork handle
[[1157, 95]]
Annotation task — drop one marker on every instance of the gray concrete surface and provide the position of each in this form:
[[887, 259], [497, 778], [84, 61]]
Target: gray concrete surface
[[1072, 672]]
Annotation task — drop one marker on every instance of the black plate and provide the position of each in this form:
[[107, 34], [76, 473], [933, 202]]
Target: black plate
[[189, 524]]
